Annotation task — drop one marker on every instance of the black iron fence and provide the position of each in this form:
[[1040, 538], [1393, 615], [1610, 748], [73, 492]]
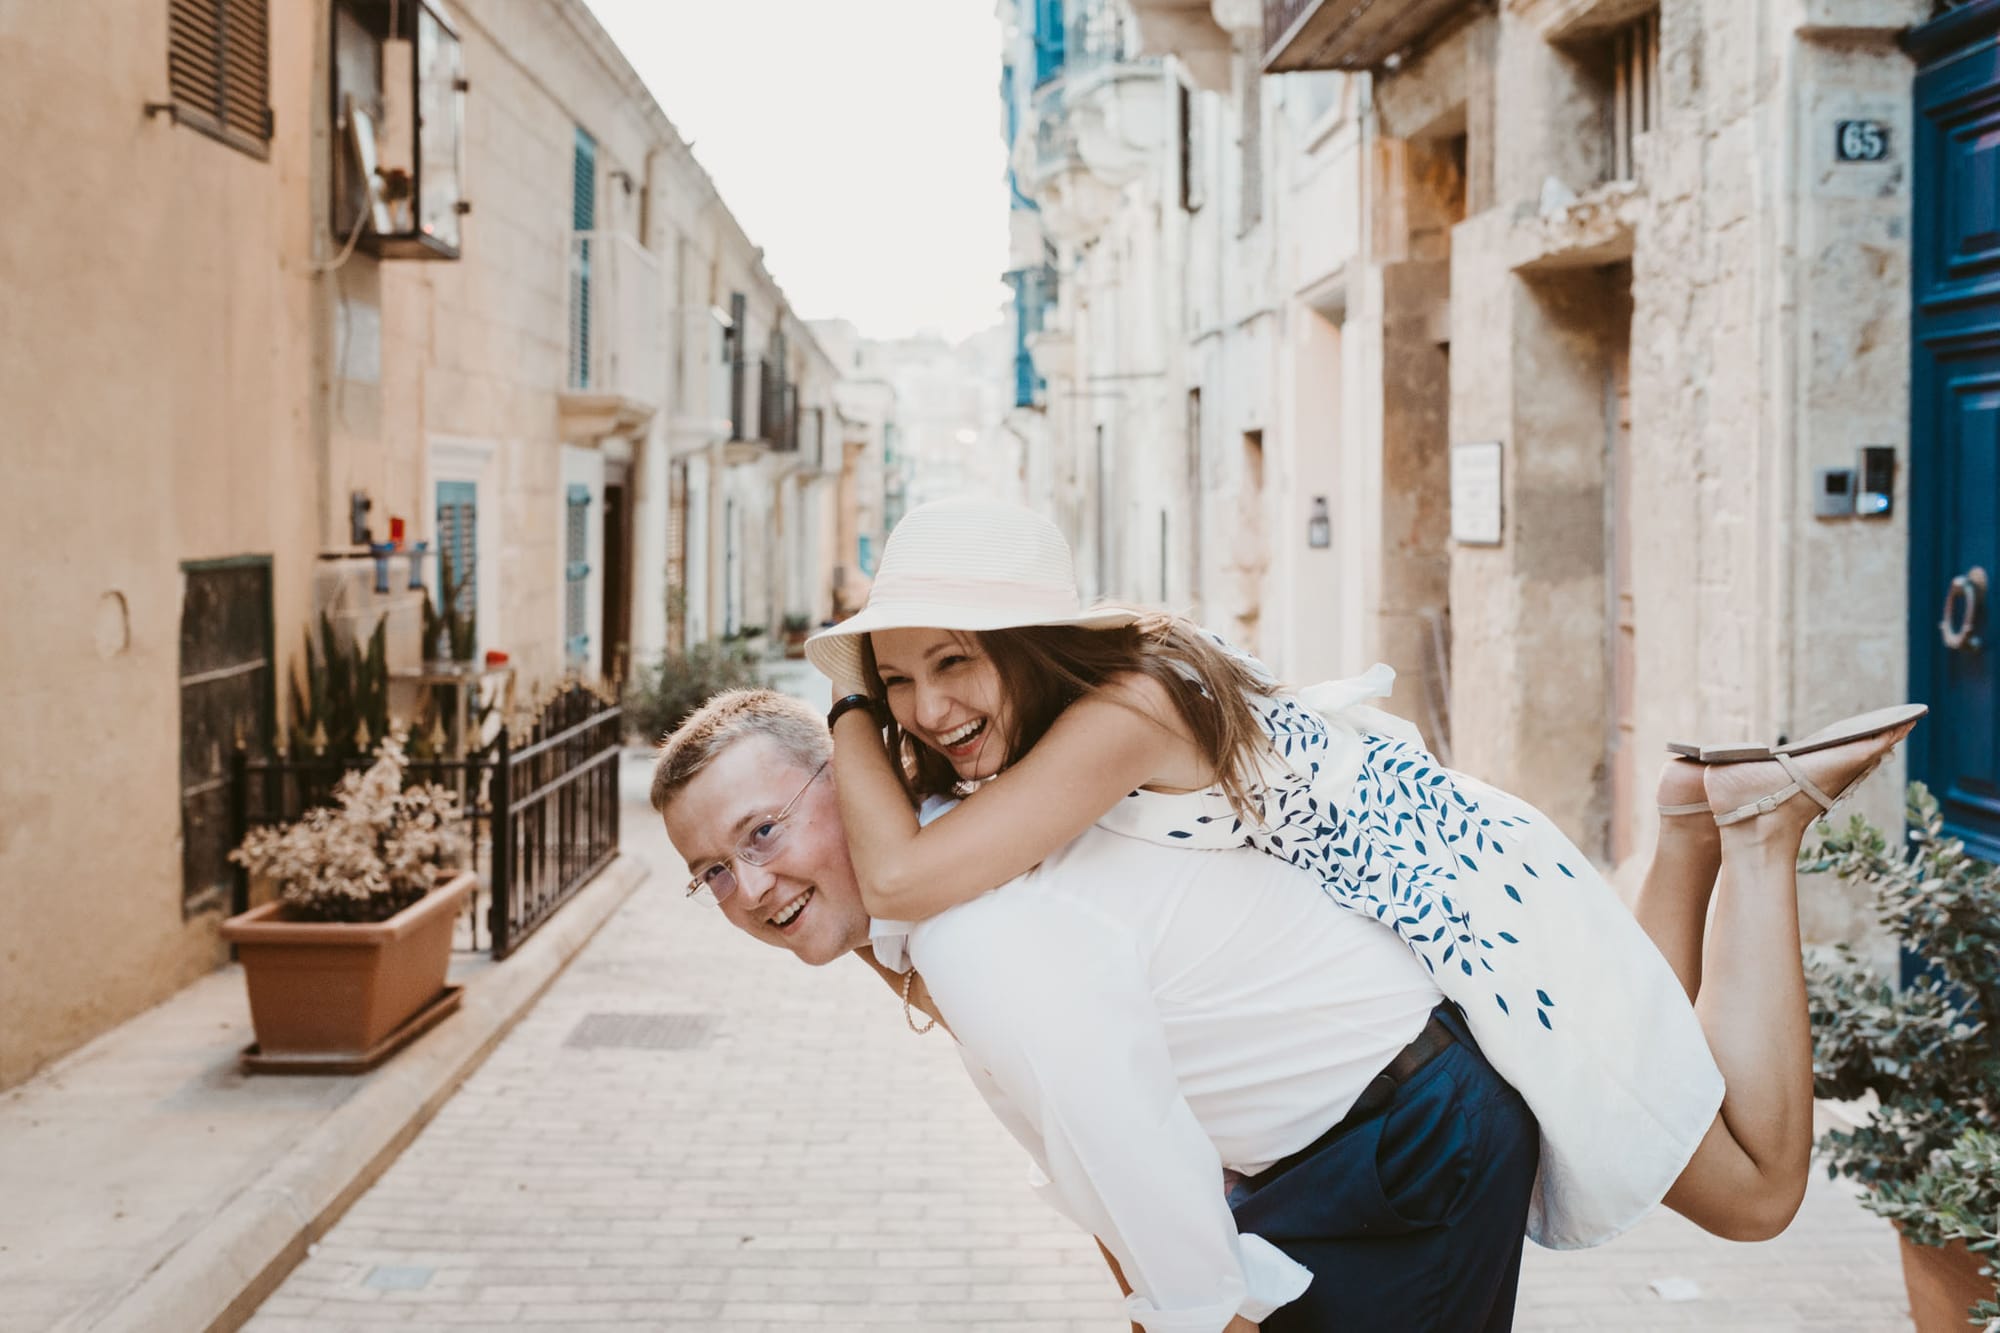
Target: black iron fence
[[541, 813], [554, 805]]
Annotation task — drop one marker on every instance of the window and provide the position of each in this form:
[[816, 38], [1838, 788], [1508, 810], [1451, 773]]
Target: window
[[227, 699], [1049, 40], [1192, 193], [1635, 91], [458, 571], [739, 404], [219, 70], [776, 401], [576, 577]]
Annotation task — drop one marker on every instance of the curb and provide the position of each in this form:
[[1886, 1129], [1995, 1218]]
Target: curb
[[218, 1276]]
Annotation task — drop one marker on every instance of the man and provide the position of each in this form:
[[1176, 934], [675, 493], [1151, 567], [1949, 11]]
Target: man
[[1143, 1019]]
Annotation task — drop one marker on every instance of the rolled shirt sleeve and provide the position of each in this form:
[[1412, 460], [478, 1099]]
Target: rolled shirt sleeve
[[1055, 1016]]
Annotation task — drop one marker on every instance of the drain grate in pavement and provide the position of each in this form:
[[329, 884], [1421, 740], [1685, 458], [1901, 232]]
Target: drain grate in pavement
[[389, 1278], [641, 1032]]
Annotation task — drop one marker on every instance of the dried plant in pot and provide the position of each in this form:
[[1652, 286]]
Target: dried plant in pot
[[1929, 1052], [355, 946]]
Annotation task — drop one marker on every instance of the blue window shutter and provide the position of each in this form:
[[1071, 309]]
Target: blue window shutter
[[576, 574], [583, 192], [1048, 40], [583, 217]]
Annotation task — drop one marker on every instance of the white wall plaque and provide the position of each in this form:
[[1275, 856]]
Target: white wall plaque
[[1475, 493]]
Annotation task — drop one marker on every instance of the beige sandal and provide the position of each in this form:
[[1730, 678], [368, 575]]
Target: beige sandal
[[1859, 727], [1698, 808]]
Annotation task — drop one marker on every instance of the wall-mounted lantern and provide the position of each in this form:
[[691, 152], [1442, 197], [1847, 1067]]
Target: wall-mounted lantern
[[1319, 526], [398, 109]]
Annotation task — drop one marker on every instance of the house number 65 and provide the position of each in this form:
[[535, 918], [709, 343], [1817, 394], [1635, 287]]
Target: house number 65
[[1861, 140]]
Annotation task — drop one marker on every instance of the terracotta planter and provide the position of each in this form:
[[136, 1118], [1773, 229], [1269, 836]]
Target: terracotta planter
[[340, 988], [1944, 1284]]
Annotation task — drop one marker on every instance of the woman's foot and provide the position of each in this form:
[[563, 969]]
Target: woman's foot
[[1738, 789], [1682, 790], [1685, 816]]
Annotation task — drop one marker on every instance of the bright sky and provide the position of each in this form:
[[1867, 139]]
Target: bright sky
[[857, 141]]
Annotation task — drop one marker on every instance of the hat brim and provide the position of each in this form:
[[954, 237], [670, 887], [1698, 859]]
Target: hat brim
[[836, 651]]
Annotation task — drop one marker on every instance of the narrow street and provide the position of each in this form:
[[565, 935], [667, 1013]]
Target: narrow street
[[694, 1132]]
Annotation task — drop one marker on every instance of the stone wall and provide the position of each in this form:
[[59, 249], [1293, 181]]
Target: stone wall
[[1765, 313], [155, 368]]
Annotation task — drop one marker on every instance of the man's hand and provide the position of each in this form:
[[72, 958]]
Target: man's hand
[[1240, 1325]]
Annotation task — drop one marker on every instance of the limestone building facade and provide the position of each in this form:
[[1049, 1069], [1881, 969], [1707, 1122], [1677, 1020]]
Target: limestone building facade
[[311, 276], [1534, 347]]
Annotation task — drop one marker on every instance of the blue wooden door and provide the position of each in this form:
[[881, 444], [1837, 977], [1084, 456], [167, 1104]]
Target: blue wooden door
[[1954, 482]]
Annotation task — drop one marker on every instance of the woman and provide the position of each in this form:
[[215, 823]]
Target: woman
[[1653, 1075]]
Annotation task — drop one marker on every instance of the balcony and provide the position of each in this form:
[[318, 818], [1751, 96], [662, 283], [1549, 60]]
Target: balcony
[[1347, 34], [1201, 33], [702, 406], [614, 380], [1097, 124]]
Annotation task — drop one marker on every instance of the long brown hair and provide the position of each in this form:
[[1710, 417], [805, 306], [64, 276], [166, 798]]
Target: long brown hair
[[1046, 668]]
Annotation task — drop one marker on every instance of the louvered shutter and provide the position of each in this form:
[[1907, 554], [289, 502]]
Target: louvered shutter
[[583, 218], [576, 575], [677, 502], [219, 70]]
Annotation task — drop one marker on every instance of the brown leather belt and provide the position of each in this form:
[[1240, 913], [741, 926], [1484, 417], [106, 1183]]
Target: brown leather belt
[[1401, 1068]]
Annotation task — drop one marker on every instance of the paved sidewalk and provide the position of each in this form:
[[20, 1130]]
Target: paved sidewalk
[[693, 1131], [147, 1184]]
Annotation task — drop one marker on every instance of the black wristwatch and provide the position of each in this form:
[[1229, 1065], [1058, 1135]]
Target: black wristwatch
[[847, 703]]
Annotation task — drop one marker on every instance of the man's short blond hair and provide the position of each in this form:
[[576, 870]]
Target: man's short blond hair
[[728, 718]]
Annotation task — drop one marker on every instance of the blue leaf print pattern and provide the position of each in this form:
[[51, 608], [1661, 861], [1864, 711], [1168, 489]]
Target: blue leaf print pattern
[[1406, 834]]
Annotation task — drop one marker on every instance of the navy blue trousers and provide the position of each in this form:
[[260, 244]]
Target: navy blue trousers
[[1412, 1220]]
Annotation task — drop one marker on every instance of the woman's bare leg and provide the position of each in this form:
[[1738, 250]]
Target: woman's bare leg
[[1672, 906], [1748, 1176]]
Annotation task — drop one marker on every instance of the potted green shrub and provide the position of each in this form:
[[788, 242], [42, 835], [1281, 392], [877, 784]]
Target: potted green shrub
[[796, 628], [663, 692], [1929, 1052], [349, 960]]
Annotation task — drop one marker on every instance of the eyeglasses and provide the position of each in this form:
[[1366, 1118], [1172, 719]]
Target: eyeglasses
[[765, 839]]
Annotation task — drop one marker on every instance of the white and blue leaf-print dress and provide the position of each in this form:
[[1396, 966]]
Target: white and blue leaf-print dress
[[1568, 998]]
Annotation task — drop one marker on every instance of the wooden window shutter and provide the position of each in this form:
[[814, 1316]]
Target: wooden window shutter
[[219, 70]]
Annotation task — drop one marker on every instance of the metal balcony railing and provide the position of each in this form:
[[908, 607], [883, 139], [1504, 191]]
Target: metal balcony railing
[[614, 318], [1279, 18]]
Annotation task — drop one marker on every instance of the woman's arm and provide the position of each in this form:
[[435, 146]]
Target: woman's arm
[[1122, 736]]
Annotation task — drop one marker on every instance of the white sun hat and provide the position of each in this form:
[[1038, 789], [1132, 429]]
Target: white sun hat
[[965, 565]]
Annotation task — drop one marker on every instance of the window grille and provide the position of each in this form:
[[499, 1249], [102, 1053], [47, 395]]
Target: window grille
[[219, 70], [1635, 91], [227, 699], [576, 576]]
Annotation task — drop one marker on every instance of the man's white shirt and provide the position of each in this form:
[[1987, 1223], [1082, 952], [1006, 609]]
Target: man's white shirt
[[1142, 1018]]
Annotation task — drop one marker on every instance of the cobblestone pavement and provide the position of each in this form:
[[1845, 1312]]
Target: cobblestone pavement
[[692, 1131]]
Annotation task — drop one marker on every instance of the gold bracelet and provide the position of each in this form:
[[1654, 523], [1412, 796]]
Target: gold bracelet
[[929, 1022]]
